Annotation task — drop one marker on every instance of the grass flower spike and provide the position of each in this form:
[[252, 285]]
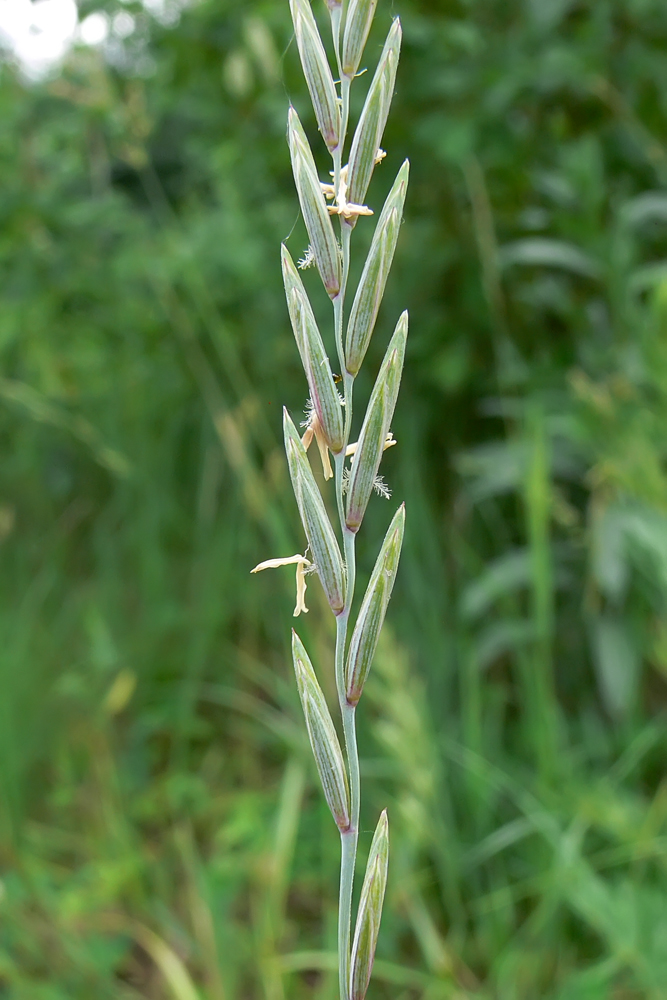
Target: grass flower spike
[[375, 429], [313, 206], [367, 301], [357, 25], [315, 520], [370, 911], [365, 152], [323, 393], [373, 609], [323, 738], [331, 208], [317, 72]]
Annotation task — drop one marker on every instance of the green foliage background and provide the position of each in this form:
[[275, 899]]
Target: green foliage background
[[161, 829]]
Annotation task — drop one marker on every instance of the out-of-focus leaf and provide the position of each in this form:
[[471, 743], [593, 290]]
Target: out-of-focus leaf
[[649, 206], [502, 638], [644, 278], [626, 535], [493, 469], [617, 664], [501, 577], [610, 565], [536, 251]]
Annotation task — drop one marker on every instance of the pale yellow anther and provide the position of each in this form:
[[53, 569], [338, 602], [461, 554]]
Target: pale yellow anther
[[379, 156], [343, 207], [314, 430], [349, 210], [389, 442], [302, 567]]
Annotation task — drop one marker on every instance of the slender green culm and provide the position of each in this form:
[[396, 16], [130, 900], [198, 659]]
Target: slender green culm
[[329, 421]]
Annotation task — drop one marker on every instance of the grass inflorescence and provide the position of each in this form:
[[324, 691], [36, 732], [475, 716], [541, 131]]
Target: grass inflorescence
[[329, 423], [162, 828]]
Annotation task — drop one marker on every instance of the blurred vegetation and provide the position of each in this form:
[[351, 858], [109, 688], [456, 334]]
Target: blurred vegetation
[[161, 830]]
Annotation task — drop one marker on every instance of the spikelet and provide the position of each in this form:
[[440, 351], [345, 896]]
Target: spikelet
[[374, 430], [370, 911]]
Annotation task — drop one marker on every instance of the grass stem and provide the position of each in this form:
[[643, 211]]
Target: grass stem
[[348, 845], [350, 837]]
